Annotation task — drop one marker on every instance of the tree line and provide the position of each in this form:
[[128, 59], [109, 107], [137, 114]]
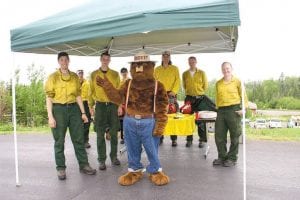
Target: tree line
[[281, 93], [30, 99]]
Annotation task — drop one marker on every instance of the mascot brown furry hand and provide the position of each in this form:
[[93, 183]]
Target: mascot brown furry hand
[[145, 119]]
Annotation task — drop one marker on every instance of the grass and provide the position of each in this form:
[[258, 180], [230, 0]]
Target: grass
[[8, 129], [280, 134]]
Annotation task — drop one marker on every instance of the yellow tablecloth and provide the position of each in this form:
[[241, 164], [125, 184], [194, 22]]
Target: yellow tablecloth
[[182, 126]]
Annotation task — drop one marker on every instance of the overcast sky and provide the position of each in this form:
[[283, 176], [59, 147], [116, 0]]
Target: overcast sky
[[268, 41]]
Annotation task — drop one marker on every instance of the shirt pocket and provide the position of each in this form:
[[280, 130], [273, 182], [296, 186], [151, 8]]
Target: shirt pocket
[[232, 90], [60, 93], [73, 90]]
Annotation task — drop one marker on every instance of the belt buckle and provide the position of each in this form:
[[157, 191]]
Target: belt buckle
[[137, 116], [106, 103]]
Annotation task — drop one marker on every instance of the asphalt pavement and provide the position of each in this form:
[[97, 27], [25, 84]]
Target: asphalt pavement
[[273, 173], [192, 176]]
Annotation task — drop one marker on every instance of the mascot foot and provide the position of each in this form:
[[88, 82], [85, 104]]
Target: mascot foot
[[130, 178], [159, 178]]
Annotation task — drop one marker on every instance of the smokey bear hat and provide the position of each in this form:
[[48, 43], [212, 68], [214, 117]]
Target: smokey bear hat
[[141, 57]]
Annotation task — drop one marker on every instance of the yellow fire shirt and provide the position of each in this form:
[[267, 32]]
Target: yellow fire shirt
[[194, 85], [85, 91], [169, 77], [230, 93], [97, 92], [62, 88]]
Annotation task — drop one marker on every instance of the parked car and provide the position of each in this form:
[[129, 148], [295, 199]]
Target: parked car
[[290, 123], [247, 121], [275, 123], [260, 123]]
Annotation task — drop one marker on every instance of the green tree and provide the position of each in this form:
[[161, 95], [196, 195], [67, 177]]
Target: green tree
[[288, 103], [30, 99], [5, 101], [281, 93], [211, 90], [181, 93]]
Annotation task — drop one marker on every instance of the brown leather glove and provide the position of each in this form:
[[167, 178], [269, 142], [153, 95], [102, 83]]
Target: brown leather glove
[[103, 82]]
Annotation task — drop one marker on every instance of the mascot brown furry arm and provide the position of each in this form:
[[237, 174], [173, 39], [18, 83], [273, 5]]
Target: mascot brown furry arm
[[115, 95], [161, 110]]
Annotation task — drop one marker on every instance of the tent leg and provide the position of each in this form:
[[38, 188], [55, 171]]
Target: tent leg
[[14, 119], [244, 139]]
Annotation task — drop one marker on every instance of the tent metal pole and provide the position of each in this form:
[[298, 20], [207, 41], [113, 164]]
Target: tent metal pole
[[244, 139], [110, 44], [14, 119]]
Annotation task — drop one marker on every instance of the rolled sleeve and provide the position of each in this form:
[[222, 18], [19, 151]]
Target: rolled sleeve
[[49, 88]]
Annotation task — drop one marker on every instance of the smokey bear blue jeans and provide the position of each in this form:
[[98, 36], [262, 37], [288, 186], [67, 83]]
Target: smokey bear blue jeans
[[138, 132]]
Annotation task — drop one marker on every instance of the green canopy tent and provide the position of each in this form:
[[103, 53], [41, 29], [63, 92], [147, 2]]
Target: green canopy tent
[[126, 27]]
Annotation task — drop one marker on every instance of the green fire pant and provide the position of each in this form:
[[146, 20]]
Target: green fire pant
[[86, 126], [106, 116], [68, 116], [228, 119]]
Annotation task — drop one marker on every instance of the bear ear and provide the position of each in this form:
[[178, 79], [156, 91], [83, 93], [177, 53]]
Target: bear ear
[[132, 69], [152, 64]]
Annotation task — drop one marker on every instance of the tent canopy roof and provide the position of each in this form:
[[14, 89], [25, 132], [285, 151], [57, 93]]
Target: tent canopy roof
[[125, 27]]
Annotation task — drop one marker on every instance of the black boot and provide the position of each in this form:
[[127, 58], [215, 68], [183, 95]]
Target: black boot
[[188, 144], [174, 143]]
